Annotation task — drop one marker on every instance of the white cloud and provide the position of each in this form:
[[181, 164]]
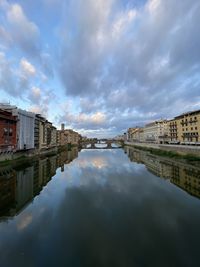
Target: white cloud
[[122, 22], [19, 21], [83, 120], [36, 109], [35, 94], [98, 118], [23, 32], [27, 68], [114, 58], [153, 5]]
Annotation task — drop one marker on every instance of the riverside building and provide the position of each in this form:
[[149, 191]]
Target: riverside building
[[45, 133], [67, 137], [156, 132], [8, 128], [25, 126], [173, 126], [136, 135], [183, 129], [188, 127]]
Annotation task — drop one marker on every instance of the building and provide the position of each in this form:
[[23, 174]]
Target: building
[[185, 128], [156, 132], [62, 138], [173, 131], [67, 137], [62, 126], [188, 127], [53, 136], [8, 134], [136, 135], [49, 130], [141, 135], [42, 133], [73, 137], [45, 133], [38, 131], [80, 139], [130, 134], [25, 126]]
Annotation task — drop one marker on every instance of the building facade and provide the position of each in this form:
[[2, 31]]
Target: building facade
[[53, 136], [67, 137], [188, 127], [8, 131], [130, 134], [45, 133], [136, 135], [25, 126], [42, 133], [173, 126], [156, 132], [37, 131]]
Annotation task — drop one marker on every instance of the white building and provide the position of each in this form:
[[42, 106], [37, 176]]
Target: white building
[[25, 126], [156, 132]]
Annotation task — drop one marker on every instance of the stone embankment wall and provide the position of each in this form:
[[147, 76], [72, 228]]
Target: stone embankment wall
[[26, 153], [180, 149]]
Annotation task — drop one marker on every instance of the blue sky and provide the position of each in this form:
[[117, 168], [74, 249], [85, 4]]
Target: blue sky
[[101, 66]]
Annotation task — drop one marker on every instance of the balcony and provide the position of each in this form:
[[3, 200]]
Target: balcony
[[190, 135]]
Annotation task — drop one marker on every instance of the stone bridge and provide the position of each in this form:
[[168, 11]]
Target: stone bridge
[[91, 144]]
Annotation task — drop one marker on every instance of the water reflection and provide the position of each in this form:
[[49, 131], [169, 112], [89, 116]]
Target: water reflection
[[100, 210], [179, 172], [19, 184]]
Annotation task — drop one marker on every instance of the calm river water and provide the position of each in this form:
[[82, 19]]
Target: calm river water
[[103, 207]]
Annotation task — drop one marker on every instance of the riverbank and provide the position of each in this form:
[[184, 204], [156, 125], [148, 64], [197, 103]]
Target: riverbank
[[29, 155], [173, 151]]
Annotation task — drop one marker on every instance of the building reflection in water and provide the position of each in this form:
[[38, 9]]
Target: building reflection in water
[[179, 172], [19, 185]]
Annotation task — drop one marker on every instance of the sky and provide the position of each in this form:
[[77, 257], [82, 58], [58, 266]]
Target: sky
[[101, 66]]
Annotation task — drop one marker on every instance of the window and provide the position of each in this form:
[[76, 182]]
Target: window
[[10, 132], [191, 128], [5, 131]]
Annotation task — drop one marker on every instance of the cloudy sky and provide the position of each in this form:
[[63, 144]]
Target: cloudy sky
[[101, 66]]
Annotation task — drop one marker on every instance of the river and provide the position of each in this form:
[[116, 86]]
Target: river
[[109, 207]]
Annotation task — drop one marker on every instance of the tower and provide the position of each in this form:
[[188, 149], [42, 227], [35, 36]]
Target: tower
[[62, 126]]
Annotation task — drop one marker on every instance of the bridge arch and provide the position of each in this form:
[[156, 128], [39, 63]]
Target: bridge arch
[[107, 142]]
